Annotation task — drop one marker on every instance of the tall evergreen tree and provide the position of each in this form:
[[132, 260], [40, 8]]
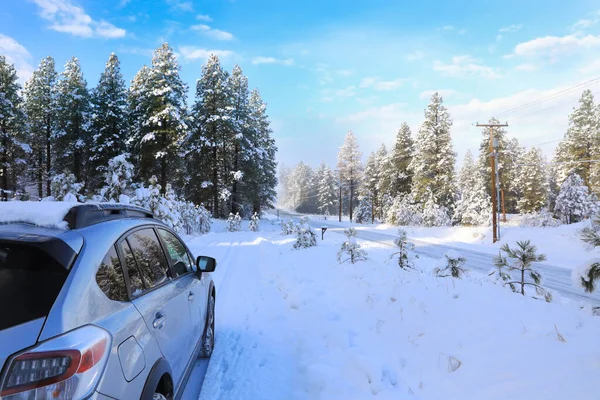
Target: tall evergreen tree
[[302, 193], [164, 112], [12, 129], [73, 116], [533, 182], [434, 159], [242, 141], [474, 206], [109, 120], [261, 164], [574, 202], [401, 158], [207, 141], [327, 189], [40, 107], [350, 166], [581, 141]]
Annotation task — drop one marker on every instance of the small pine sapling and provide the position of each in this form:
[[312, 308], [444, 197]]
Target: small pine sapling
[[405, 259], [453, 267], [499, 274], [521, 259], [254, 223], [234, 223], [305, 236], [351, 250]]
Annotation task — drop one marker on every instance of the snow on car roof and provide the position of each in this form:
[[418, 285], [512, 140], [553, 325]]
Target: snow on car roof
[[49, 214]]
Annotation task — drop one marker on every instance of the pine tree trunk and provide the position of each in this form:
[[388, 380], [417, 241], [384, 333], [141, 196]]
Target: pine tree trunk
[[234, 189], [40, 173], [351, 197], [4, 162], [215, 181], [523, 281], [48, 158], [163, 165]]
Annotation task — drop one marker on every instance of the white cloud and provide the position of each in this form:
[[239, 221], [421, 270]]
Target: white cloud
[[18, 55], [203, 17], [344, 72], [510, 28], [194, 53], [417, 55], [212, 32], [498, 38], [448, 28], [446, 94], [180, 5], [464, 66], [123, 3], [68, 18], [380, 85], [554, 47], [585, 23], [272, 60], [526, 67], [591, 68], [330, 94]]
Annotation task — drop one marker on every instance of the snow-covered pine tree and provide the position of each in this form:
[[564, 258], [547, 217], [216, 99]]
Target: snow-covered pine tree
[[109, 120], [433, 161], [574, 202], [302, 193], [327, 195], [13, 149], [242, 141], [72, 142], [405, 258], [118, 177], [580, 141], [521, 259], [405, 211], [305, 235], [376, 181], [64, 187], [261, 190], [138, 102], [435, 215], [452, 265], [401, 179], [254, 223], [40, 107], [350, 166], [195, 219], [533, 182], [206, 143], [364, 210], [234, 222], [474, 206], [350, 250], [165, 119]]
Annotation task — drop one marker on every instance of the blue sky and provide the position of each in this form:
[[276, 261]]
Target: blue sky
[[326, 67]]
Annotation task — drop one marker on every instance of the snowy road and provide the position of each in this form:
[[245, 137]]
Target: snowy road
[[555, 278]]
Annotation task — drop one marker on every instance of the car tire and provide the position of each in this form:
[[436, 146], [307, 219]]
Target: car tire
[[208, 339]]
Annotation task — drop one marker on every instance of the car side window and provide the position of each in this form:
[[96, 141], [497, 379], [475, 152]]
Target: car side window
[[110, 277], [135, 278], [149, 257], [176, 252]]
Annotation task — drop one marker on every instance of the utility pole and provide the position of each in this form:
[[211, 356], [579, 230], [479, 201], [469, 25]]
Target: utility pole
[[495, 181]]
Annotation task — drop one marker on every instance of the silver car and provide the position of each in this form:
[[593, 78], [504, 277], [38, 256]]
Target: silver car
[[115, 307]]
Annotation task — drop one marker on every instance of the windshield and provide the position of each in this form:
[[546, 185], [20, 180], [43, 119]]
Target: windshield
[[30, 281]]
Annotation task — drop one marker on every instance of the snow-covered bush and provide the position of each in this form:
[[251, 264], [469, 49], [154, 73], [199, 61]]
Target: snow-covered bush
[[587, 274], [194, 219], [305, 235], [234, 223], [117, 178], [164, 208], [574, 202], [288, 228], [542, 219], [404, 211], [254, 222], [65, 188], [435, 215], [351, 250], [520, 259], [364, 210], [405, 258], [452, 265]]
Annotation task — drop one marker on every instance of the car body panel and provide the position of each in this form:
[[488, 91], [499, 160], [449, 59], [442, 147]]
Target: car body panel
[[17, 338], [131, 358]]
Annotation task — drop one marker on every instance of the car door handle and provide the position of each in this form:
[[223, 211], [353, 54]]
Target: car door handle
[[159, 321], [191, 296]]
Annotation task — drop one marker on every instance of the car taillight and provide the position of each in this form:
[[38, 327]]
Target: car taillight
[[65, 367]]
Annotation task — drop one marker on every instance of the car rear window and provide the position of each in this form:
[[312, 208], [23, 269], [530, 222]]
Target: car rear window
[[30, 281]]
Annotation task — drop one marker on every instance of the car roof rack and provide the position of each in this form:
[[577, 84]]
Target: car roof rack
[[87, 214]]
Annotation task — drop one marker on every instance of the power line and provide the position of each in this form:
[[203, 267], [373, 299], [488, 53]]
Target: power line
[[552, 96]]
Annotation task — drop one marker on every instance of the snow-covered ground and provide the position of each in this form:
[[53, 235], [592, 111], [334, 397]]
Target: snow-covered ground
[[295, 324]]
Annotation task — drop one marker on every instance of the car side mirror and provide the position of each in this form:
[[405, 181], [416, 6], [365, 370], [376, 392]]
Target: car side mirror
[[206, 264]]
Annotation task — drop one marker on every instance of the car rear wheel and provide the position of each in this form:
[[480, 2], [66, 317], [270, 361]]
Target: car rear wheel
[[208, 341]]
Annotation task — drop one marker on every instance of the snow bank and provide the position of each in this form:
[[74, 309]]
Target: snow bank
[[48, 213]]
